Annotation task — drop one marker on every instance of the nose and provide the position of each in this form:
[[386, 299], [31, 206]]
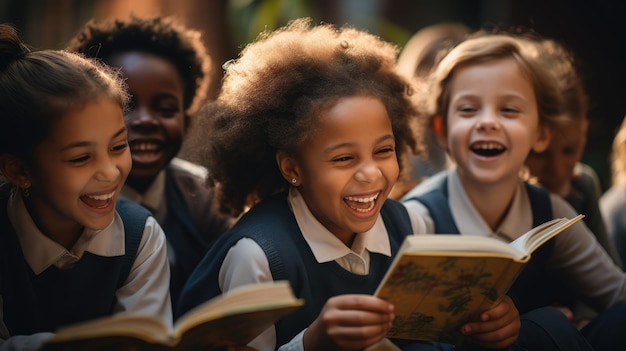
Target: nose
[[108, 170], [368, 172], [141, 118], [488, 121]]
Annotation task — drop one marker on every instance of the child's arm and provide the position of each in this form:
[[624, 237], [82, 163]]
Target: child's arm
[[349, 322], [146, 290], [498, 327]]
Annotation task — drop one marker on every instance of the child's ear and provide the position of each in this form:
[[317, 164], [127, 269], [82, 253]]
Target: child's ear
[[543, 139], [440, 133], [14, 170], [288, 168]]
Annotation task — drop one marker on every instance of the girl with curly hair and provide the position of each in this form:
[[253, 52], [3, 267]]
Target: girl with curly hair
[[307, 138]]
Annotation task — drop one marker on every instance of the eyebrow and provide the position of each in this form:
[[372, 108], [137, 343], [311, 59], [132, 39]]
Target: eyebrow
[[87, 143], [335, 147]]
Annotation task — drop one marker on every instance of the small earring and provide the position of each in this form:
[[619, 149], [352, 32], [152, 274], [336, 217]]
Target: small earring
[[293, 180], [25, 191]]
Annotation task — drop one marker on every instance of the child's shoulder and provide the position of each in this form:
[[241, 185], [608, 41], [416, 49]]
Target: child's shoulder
[[190, 168], [429, 184]]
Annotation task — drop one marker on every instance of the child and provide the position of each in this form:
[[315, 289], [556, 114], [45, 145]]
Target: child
[[558, 168], [165, 65], [309, 133], [68, 253], [497, 99], [613, 201], [416, 61]]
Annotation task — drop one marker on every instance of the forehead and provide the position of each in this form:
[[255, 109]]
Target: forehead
[[571, 134], [96, 121], [146, 68], [498, 76], [352, 119]]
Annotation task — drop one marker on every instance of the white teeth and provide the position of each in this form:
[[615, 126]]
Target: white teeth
[[488, 146], [145, 146], [371, 206], [369, 199], [362, 199], [102, 197]]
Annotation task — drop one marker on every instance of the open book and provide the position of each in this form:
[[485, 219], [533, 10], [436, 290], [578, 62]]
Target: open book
[[234, 318], [440, 282]]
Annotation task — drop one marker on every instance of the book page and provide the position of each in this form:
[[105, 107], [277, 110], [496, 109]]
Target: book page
[[460, 245], [434, 295], [147, 328], [537, 236], [267, 295]]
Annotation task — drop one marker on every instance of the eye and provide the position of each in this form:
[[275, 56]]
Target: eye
[[569, 151], [509, 110], [79, 160], [466, 110], [120, 147], [386, 150], [345, 158], [168, 110]]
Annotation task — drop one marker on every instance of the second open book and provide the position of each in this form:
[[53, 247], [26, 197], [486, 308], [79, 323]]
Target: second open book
[[231, 319], [439, 282]]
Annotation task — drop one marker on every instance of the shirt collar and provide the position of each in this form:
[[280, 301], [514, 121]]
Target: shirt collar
[[326, 246], [517, 220], [153, 197], [41, 252]]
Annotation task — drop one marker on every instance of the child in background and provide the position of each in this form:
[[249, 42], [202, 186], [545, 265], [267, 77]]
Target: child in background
[[312, 144], [165, 66], [417, 60], [558, 168], [613, 201], [498, 99], [69, 251]]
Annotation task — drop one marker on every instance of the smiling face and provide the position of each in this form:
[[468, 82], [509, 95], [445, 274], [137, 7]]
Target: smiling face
[[347, 167], [79, 170], [492, 122], [554, 168], [156, 122]]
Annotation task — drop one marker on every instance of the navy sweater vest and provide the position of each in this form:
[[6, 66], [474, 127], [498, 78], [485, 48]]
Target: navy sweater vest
[[272, 225], [535, 286], [57, 297]]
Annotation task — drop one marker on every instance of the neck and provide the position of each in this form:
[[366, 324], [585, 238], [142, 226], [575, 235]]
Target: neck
[[492, 201], [64, 233]]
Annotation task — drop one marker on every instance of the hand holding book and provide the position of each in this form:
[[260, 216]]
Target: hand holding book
[[439, 282]]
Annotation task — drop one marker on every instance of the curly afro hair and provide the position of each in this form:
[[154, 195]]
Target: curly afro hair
[[161, 36], [271, 97]]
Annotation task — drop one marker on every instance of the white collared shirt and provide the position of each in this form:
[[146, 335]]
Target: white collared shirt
[[246, 262], [577, 256], [145, 291]]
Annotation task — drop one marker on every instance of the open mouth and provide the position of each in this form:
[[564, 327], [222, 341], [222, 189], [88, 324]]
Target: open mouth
[[487, 149], [362, 203], [146, 151], [145, 146], [98, 201]]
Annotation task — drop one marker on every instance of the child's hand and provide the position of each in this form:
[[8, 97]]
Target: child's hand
[[498, 327], [349, 322]]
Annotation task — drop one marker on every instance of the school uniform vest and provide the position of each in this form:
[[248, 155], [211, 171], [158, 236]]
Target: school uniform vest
[[272, 225], [192, 224], [57, 297], [535, 286]]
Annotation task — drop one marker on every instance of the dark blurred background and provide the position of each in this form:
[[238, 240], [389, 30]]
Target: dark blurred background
[[593, 29]]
